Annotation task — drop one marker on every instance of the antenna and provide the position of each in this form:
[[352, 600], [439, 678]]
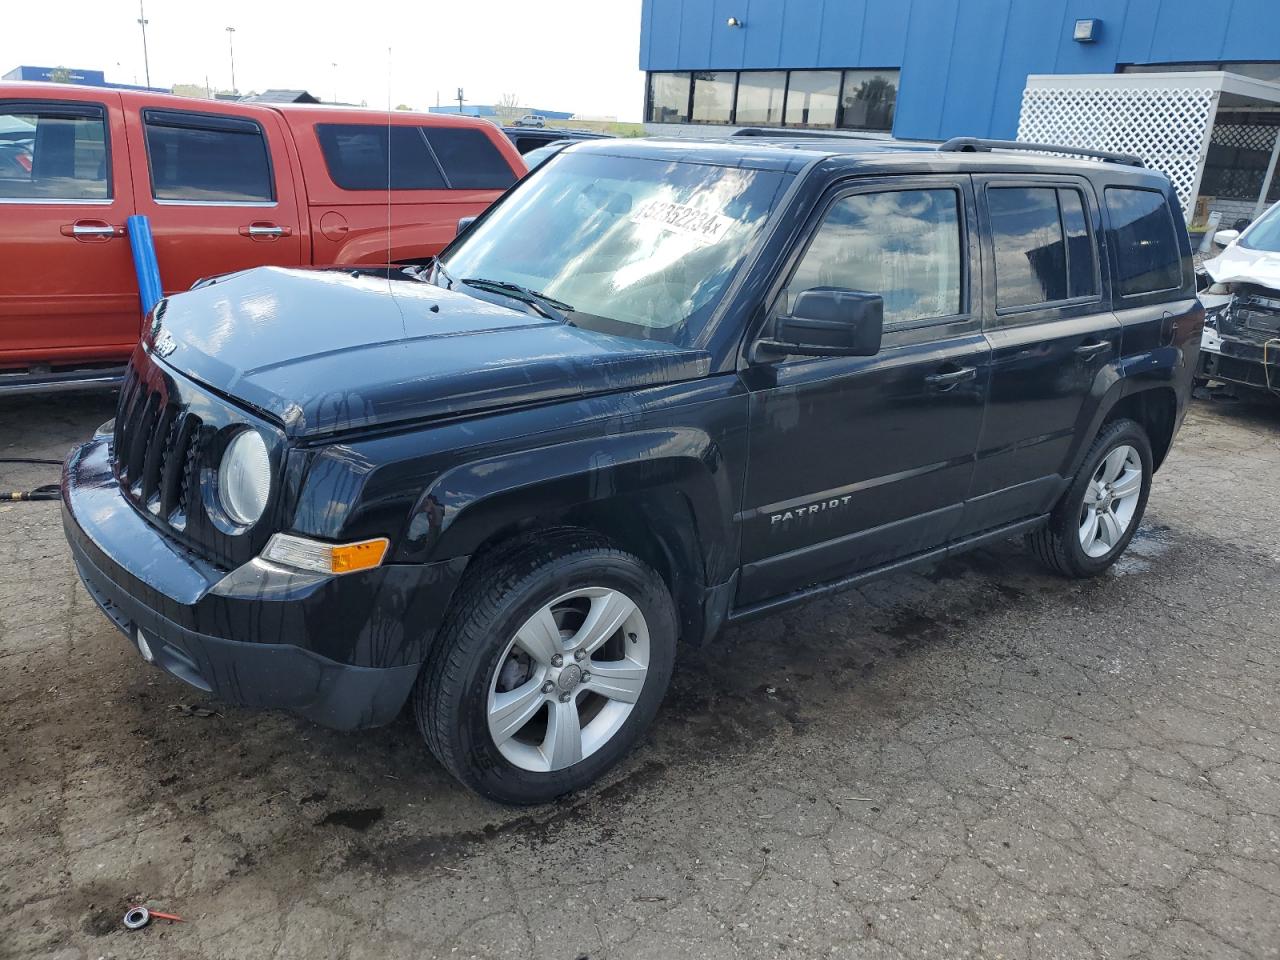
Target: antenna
[[391, 291], [389, 166]]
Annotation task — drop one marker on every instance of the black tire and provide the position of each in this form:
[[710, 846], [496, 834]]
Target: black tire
[[1057, 544], [495, 599]]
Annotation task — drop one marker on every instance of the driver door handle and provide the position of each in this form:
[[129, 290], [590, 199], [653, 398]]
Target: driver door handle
[[950, 378], [1091, 350]]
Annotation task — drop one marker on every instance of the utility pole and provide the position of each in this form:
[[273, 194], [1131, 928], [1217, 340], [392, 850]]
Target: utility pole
[[459, 99], [146, 60], [231, 45]]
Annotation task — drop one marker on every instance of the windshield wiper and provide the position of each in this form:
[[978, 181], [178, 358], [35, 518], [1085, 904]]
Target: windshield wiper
[[439, 268], [549, 307]]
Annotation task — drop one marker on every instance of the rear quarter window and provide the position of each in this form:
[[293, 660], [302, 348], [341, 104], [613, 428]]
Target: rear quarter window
[[356, 157], [469, 158], [1146, 243]]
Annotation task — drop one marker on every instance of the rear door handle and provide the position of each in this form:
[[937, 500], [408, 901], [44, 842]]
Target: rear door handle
[[948, 379], [1091, 350], [90, 230], [264, 231]]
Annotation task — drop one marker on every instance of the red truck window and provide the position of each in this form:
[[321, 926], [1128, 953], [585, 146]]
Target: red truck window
[[469, 158], [53, 151], [356, 155], [205, 158], [422, 158]]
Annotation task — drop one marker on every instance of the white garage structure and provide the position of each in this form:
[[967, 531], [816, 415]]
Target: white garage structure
[[1214, 134]]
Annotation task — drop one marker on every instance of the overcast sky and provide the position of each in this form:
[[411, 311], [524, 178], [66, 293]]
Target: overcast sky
[[578, 55]]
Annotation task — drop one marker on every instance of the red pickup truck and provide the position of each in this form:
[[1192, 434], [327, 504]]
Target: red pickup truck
[[226, 185]]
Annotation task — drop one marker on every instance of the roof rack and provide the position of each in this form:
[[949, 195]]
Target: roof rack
[[976, 145]]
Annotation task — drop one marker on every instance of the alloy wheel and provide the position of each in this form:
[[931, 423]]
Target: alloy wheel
[[1110, 501], [568, 679]]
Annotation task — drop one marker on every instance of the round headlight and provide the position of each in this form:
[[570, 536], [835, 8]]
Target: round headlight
[[244, 477]]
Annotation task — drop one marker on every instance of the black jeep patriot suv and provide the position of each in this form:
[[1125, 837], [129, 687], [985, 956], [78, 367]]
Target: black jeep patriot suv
[[657, 388]]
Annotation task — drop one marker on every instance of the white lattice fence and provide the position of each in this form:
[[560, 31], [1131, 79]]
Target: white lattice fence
[[1166, 127]]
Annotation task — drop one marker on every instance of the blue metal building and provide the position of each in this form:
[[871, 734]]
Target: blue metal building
[[89, 78], [922, 68]]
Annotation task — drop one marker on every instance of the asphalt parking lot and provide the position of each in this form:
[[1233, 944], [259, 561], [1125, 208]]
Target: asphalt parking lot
[[980, 760]]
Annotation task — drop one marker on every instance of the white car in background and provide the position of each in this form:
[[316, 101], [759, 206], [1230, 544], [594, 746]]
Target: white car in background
[[1241, 341]]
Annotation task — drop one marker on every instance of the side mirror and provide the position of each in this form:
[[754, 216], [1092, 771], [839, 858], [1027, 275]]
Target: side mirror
[[830, 322], [1224, 237], [463, 223]]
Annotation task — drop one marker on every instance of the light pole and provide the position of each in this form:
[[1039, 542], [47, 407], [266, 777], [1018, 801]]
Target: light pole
[[231, 45], [335, 82], [146, 60]]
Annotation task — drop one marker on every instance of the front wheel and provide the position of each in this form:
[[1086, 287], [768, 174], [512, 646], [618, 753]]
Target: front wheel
[[551, 666], [1100, 512]]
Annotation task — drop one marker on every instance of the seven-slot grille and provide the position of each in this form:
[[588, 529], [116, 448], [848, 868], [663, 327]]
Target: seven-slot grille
[[156, 450]]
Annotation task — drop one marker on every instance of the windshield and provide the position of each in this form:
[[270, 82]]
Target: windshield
[[1265, 234], [639, 248]]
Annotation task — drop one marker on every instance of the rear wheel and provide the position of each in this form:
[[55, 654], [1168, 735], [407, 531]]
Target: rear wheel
[[550, 668], [1100, 512]]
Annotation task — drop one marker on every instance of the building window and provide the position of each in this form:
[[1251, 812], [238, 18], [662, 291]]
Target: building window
[[812, 97], [867, 99], [850, 99], [713, 97], [1257, 69], [669, 97], [760, 96]]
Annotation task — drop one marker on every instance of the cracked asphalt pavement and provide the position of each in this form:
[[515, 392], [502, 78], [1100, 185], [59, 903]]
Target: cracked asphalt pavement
[[979, 760]]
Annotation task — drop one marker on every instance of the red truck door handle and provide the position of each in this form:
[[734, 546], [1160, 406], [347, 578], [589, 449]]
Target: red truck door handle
[[262, 230], [91, 230]]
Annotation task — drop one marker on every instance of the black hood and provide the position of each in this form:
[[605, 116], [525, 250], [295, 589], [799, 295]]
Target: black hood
[[321, 351]]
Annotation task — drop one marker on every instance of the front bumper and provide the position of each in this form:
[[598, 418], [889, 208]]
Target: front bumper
[[1237, 361], [342, 651]]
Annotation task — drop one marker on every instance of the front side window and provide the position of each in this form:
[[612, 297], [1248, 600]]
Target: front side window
[[1147, 253], [713, 97], [904, 245], [669, 97], [1044, 252], [812, 98], [867, 99], [356, 156], [637, 247], [206, 158], [53, 152]]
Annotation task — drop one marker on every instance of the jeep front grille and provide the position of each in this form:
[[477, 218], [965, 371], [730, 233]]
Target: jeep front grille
[[156, 450]]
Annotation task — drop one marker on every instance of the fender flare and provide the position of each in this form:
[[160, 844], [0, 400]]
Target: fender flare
[[469, 505]]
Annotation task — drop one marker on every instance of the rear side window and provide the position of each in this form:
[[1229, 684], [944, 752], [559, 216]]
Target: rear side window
[[902, 244], [470, 159], [53, 151], [356, 155], [1147, 255], [206, 158], [1044, 252]]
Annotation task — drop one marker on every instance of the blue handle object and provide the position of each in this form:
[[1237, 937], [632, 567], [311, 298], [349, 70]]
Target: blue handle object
[[144, 261]]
